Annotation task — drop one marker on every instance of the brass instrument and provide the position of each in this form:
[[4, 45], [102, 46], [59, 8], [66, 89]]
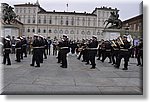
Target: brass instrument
[[113, 44], [120, 41]]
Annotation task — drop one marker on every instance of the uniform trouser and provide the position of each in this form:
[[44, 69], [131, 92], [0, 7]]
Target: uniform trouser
[[49, 50], [125, 55], [99, 53], [92, 54], [45, 56], [73, 50], [85, 55], [64, 58], [41, 55], [6, 57], [24, 50], [18, 54], [105, 55], [139, 58], [81, 53], [36, 57], [59, 56], [114, 56]]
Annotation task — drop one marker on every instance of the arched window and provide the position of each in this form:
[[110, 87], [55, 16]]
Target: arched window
[[39, 30], [44, 31], [33, 30]]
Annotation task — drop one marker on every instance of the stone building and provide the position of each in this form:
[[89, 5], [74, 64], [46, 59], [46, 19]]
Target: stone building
[[134, 26], [52, 23]]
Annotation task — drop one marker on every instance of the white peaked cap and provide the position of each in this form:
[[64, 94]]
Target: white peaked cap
[[36, 35], [7, 39]]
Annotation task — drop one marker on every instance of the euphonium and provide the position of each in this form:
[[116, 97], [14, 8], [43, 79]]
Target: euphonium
[[120, 41]]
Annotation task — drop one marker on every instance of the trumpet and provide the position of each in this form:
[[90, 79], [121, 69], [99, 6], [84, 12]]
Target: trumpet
[[120, 41]]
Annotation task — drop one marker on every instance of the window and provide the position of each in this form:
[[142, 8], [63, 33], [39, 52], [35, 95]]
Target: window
[[61, 31], [83, 21], [33, 19], [66, 32], [39, 30], [16, 10], [28, 19], [83, 32], [33, 30], [20, 10], [72, 21], [24, 10], [50, 20], [67, 23], [71, 32], [39, 19], [94, 21], [28, 30], [50, 31], [44, 31], [55, 19], [78, 21], [89, 21], [88, 33], [61, 21], [29, 10], [44, 20], [34, 10]]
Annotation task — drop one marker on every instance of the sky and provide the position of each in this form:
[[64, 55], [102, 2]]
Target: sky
[[128, 8]]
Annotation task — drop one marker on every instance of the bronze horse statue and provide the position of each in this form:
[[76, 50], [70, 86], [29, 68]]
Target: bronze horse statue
[[114, 21], [8, 15]]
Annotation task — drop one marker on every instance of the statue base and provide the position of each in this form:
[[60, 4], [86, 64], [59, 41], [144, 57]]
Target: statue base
[[10, 30], [110, 34]]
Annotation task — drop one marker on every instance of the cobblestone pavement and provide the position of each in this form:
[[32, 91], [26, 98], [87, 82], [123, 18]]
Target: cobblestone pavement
[[78, 78]]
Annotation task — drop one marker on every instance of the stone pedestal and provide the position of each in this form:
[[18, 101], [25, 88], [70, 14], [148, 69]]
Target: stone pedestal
[[110, 34], [10, 30]]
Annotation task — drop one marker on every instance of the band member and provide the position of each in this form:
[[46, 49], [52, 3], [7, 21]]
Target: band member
[[64, 49], [123, 53], [24, 46], [92, 50], [7, 51], [13, 43], [49, 42], [100, 49], [18, 50], [140, 53], [115, 51], [36, 51], [107, 51]]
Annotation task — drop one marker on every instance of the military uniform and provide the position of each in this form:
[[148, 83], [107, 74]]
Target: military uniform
[[140, 54], [36, 52], [92, 51], [18, 50], [24, 47], [123, 53], [64, 49], [107, 51], [7, 51]]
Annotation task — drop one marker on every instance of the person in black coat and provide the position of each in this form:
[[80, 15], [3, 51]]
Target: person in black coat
[[18, 50], [92, 51], [64, 49], [123, 53], [7, 51], [36, 51]]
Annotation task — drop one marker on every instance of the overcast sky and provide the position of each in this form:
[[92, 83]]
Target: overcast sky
[[128, 8]]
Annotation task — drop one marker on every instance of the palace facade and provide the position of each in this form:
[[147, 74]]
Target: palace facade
[[54, 24]]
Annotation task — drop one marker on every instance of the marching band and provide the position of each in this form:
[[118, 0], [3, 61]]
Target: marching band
[[88, 49]]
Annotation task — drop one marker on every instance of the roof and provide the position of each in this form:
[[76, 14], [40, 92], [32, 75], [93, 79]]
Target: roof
[[134, 18], [105, 8], [67, 13]]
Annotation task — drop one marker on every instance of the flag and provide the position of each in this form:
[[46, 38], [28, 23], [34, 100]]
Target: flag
[[67, 5]]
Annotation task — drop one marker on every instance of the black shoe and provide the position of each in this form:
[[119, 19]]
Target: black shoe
[[109, 62], [83, 61], [138, 64], [102, 61], [98, 59], [31, 65], [78, 58], [92, 68], [125, 69], [37, 66], [9, 64], [25, 56], [86, 63], [63, 66], [116, 66]]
